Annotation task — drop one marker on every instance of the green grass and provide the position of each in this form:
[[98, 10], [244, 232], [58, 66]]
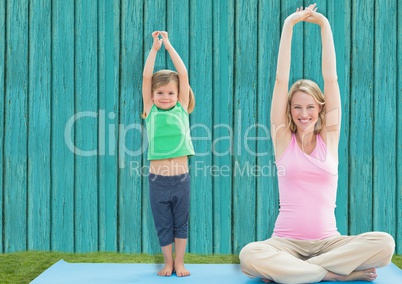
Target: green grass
[[397, 260], [23, 267]]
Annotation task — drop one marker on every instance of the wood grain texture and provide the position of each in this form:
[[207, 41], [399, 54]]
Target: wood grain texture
[[341, 29], [269, 32], [201, 200], [361, 116], [245, 84], [130, 209], [177, 26], [398, 236], [16, 128], [75, 57], [384, 131], [39, 111], [2, 110], [222, 145], [109, 67], [62, 159], [86, 128]]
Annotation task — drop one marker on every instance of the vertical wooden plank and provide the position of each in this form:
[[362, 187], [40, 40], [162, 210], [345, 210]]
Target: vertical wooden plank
[[269, 32], [312, 47], [361, 116], [201, 202], [222, 145], [398, 237], [177, 25], [109, 47], [338, 14], [129, 202], [154, 19], [39, 110], [15, 139], [2, 100], [62, 158], [244, 191], [384, 167], [297, 63], [86, 128]]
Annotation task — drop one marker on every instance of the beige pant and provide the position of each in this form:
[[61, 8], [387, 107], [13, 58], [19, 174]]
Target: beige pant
[[302, 261]]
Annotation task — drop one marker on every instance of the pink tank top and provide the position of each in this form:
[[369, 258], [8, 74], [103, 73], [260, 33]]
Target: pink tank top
[[307, 193]]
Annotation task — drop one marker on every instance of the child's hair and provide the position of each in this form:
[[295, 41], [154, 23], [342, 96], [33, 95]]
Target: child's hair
[[311, 88], [164, 77]]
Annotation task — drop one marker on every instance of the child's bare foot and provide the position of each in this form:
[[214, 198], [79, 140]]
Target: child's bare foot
[[266, 280], [166, 270], [364, 275], [181, 271]]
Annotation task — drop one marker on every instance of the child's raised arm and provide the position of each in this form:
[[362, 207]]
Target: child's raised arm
[[181, 71], [279, 127], [148, 72]]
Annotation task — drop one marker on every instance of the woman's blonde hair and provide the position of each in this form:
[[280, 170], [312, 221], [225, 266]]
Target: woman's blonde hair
[[311, 88], [164, 77]]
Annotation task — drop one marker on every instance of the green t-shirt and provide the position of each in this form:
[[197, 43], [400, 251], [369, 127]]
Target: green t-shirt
[[168, 133]]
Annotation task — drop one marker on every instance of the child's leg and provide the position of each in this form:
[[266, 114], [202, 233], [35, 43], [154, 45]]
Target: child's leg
[[180, 249], [168, 257], [180, 208], [159, 193]]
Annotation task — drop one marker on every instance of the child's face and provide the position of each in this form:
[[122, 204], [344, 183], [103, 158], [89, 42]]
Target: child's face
[[166, 96], [304, 110]]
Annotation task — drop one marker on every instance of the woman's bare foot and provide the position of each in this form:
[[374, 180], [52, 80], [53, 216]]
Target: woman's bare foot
[[166, 270], [181, 271], [364, 275]]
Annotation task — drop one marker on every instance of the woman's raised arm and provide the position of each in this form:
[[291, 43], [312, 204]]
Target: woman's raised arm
[[279, 127], [331, 130]]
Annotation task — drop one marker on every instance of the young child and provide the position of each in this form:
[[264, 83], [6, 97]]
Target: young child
[[168, 99]]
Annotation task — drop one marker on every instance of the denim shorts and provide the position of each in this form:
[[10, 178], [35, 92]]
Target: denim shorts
[[170, 200]]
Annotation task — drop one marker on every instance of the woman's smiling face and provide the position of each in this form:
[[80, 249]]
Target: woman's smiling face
[[304, 110]]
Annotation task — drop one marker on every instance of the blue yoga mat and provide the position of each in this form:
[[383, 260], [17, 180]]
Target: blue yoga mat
[[101, 273]]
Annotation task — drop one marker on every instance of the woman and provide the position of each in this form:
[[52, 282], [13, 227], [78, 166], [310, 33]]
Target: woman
[[305, 246]]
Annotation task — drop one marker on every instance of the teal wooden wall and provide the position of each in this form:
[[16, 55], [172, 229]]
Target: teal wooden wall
[[63, 58]]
